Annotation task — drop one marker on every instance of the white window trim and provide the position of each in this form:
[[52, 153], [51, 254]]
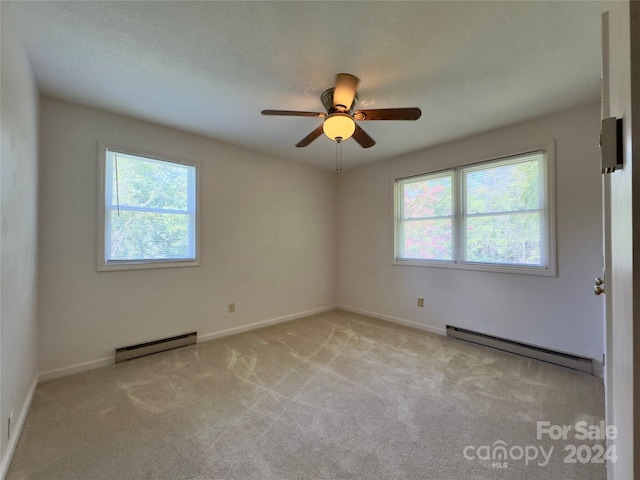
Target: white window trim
[[549, 178], [102, 264]]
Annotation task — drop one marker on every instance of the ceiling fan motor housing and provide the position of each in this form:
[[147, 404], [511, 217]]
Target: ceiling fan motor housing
[[327, 100]]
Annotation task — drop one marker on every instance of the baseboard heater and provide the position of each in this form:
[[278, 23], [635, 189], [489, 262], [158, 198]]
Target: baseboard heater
[[142, 349], [558, 358]]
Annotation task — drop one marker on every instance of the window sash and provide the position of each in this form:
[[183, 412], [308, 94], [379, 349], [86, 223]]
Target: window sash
[[403, 220], [461, 257], [111, 204], [538, 158]]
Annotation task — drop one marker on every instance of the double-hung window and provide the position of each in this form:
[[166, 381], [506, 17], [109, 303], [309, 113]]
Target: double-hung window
[[148, 212], [496, 215]]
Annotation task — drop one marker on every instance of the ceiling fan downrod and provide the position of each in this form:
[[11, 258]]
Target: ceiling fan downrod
[[338, 154]]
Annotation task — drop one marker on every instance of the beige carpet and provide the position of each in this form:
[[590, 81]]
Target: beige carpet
[[332, 396]]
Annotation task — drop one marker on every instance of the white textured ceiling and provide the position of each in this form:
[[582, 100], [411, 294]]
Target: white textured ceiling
[[211, 67]]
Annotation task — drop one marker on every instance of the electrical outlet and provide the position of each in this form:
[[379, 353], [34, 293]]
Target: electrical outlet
[[231, 308], [420, 302]]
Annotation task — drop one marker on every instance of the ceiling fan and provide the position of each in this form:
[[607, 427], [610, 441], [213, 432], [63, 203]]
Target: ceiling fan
[[340, 119]]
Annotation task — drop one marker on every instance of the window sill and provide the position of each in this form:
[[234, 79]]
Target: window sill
[[145, 265], [481, 267]]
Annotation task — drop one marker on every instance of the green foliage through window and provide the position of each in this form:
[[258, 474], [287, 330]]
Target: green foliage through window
[[427, 213], [149, 209], [498, 217]]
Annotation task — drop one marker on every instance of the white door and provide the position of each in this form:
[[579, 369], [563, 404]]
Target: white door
[[621, 98], [600, 287]]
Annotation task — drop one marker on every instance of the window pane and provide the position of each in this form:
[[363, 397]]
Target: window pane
[[144, 235], [428, 198], [141, 182], [513, 238], [428, 239], [503, 188], [150, 209]]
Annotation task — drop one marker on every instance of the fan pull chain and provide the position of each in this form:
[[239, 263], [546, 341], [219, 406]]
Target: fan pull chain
[[117, 187], [338, 154]]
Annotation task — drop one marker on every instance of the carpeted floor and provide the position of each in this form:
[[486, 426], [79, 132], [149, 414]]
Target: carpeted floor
[[331, 396]]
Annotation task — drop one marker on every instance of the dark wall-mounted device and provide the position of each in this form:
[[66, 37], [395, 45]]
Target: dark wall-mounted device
[[611, 144]]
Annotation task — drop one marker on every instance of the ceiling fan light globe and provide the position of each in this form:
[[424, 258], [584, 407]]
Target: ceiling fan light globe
[[339, 125]]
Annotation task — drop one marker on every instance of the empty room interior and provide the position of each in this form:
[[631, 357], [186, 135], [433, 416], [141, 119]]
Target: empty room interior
[[318, 240]]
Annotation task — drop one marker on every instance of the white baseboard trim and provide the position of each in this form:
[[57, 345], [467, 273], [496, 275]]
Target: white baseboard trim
[[77, 368], [17, 429], [103, 362], [264, 323], [400, 321]]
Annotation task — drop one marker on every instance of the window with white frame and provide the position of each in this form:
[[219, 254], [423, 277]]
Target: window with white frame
[[427, 215], [495, 215], [148, 210]]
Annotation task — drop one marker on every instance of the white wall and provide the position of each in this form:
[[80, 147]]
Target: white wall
[[555, 312], [18, 226], [268, 238]]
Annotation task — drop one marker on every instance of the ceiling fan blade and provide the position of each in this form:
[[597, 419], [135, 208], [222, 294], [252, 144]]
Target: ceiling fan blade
[[293, 113], [363, 138], [310, 138], [345, 90], [388, 114]]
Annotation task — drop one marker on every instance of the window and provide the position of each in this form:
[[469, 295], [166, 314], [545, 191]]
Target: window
[[148, 212], [495, 215], [426, 211]]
